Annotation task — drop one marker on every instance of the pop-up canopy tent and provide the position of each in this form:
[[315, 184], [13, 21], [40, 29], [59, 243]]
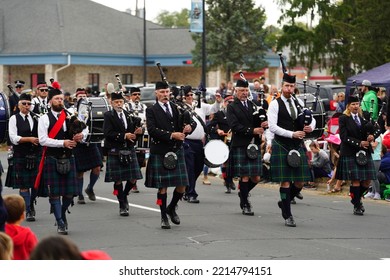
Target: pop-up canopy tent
[[378, 76]]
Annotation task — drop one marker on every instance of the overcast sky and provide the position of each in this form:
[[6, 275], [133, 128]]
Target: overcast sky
[[154, 7]]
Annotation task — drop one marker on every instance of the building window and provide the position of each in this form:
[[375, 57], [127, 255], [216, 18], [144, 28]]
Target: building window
[[127, 79], [93, 82], [37, 77]]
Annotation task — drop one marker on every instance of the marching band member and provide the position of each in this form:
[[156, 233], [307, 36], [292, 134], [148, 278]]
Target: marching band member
[[120, 132], [23, 133], [288, 136], [242, 163], [87, 157], [14, 98], [167, 127], [357, 136], [220, 127], [40, 102], [139, 110], [194, 143], [57, 167]]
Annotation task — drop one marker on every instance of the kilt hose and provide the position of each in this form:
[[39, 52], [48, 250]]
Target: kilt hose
[[280, 171], [55, 184], [239, 165], [116, 172], [87, 157], [348, 169], [22, 177], [157, 176]]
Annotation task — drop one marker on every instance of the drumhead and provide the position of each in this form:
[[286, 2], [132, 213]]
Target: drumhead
[[4, 117], [216, 152]]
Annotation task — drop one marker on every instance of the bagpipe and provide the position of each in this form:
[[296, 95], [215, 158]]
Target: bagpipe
[[305, 115]]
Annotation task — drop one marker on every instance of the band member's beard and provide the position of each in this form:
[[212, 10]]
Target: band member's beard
[[57, 108]]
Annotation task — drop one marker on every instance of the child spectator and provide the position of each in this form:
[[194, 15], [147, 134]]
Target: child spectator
[[334, 142], [320, 163], [375, 188], [6, 246], [23, 237]]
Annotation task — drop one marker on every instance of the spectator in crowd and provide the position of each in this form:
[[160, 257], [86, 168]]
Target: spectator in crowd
[[369, 103], [6, 246], [320, 163], [340, 105], [3, 211], [384, 168], [62, 248], [334, 149], [374, 190], [24, 238]]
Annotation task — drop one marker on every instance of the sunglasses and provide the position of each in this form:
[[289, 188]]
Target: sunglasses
[[26, 103], [189, 94], [135, 94], [43, 90]]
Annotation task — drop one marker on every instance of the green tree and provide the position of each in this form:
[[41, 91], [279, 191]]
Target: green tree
[[235, 37], [175, 19], [346, 34]]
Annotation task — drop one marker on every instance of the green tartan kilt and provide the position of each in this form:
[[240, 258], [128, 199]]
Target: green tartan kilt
[[55, 184], [116, 172], [23, 178], [348, 169], [157, 176], [87, 157], [240, 165], [281, 172]]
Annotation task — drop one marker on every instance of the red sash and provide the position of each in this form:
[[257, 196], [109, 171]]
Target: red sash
[[52, 133]]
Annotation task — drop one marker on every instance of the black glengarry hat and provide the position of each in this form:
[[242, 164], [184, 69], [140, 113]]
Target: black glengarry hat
[[161, 85], [116, 95], [53, 92], [25, 96], [289, 78], [241, 83]]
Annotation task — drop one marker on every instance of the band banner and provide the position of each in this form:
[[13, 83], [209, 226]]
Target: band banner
[[196, 15]]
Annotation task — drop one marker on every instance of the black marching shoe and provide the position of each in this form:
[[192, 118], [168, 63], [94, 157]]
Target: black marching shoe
[[192, 199], [299, 196], [126, 203], [293, 201], [280, 204], [362, 207], [228, 190], [171, 212], [30, 217], [91, 194], [123, 212], [165, 223], [358, 211], [247, 210], [289, 222], [231, 186], [81, 199]]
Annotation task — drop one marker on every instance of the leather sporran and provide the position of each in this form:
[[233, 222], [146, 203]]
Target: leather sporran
[[361, 158], [252, 151], [31, 162], [63, 165], [125, 157], [294, 158], [170, 160]]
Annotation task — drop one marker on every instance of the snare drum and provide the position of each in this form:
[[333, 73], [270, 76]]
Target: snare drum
[[91, 110], [216, 153], [4, 117]]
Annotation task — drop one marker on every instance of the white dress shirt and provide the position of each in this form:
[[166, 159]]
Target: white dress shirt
[[13, 130], [273, 111], [202, 112]]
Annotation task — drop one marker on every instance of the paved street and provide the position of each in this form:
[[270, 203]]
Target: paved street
[[216, 229]]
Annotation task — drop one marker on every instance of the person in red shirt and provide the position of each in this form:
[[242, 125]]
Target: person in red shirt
[[23, 237]]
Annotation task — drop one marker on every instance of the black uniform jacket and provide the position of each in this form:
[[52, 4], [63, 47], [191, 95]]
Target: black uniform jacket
[[351, 135], [160, 127], [242, 122], [114, 131]]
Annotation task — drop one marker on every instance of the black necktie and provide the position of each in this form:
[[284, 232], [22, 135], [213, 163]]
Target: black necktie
[[292, 111], [26, 121], [122, 120], [167, 111], [357, 121]]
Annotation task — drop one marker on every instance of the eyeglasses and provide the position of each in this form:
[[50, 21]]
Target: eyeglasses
[[26, 103], [135, 94], [43, 89]]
